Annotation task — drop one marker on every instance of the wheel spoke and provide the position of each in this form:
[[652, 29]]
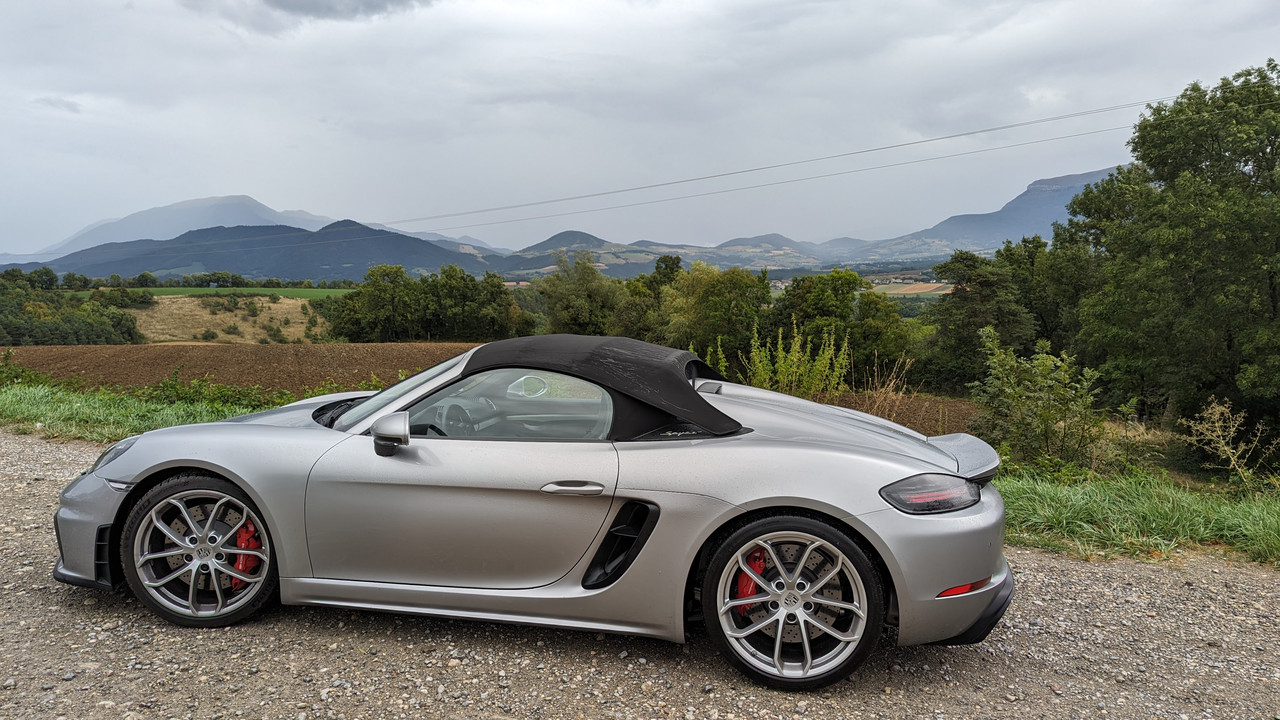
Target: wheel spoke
[[213, 513], [804, 642], [164, 528], [804, 557], [217, 589], [777, 562], [739, 602], [835, 570], [760, 582], [192, 589], [230, 570], [750, 629], [841, 636], [189, 567], [840, 604], [246, 551], [191, 524], [777, 644], [161, 554]]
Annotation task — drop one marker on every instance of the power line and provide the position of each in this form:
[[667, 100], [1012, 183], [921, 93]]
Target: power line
[[784, 182], [793, 163]]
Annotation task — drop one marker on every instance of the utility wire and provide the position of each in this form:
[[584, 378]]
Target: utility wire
[[793, 163], [785, 182]]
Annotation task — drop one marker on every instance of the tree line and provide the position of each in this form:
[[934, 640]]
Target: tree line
[[1165, 282]]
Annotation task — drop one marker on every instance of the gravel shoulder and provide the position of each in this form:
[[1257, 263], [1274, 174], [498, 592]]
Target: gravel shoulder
[[1192, 638]]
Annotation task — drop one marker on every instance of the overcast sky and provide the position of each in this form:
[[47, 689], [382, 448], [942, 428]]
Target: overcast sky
[[386, 110]]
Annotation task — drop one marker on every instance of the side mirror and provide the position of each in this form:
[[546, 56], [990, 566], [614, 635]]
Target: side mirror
[[390, 432], [529, 386]]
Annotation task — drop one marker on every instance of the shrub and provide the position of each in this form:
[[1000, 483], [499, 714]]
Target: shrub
[[796, 369], [1241, 451], [1038, 408], [208, 335]]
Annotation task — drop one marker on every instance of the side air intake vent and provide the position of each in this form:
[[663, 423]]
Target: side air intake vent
[[627, 534]]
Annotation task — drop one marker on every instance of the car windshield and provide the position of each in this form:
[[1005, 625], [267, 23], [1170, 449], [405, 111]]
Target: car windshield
[[393, 394]]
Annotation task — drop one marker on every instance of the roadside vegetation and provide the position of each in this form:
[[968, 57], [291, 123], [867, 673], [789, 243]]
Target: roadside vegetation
[[1128, 371]]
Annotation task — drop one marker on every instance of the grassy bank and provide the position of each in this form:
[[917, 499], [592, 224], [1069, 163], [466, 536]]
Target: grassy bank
[[1137, 513], [1140, 513], [100, 416]]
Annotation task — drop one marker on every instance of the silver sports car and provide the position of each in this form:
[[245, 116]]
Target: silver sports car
[[581, 482]]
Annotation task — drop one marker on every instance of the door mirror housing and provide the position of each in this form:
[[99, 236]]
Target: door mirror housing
[[390, 432]]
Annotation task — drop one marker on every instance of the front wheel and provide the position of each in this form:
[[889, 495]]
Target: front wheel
[[792, 602], [196, 551]]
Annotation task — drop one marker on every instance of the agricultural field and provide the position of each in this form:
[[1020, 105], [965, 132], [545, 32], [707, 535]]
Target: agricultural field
[[304, 293], [292, 367], [919, 289], [233, 319]]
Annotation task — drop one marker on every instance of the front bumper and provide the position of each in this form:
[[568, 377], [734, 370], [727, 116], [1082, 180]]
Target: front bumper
[[83, 525]]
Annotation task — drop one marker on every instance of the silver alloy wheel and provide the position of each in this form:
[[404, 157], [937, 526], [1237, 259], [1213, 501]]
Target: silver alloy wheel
[[805, 610], [186, 551]]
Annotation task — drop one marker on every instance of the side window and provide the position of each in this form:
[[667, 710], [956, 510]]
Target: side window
[[515, 404]]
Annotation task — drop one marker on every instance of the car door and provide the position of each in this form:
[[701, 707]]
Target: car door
[[504, 484]]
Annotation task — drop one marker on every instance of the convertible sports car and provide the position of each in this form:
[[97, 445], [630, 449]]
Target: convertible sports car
[[581, 482]]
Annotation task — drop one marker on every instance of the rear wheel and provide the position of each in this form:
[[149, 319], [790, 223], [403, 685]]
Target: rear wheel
[[792, 602], [196, 551]]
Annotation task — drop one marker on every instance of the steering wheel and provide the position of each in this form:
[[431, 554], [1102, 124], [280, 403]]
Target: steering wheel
[[457, 422]]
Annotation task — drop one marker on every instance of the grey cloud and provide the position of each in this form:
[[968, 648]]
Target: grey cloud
[[58, 103], [274, 16], [343, 9]]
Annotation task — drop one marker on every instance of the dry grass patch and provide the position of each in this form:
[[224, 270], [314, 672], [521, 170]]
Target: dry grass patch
[[231, 319]]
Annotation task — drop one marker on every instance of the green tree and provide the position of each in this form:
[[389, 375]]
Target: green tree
[[707, 307], [1189, 236], [580, 299], [983, 293]]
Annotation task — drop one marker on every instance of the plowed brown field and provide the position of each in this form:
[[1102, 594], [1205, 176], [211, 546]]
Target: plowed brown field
[[286, 367], [298, 367]]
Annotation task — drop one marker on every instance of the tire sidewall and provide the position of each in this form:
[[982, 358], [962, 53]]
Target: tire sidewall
[[265, 591], [871, 581]]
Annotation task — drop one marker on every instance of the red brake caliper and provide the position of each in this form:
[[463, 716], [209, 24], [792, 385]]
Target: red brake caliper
[[246, 539], [747, 586]]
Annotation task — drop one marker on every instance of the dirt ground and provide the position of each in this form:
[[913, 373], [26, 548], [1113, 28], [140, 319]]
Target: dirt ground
[[1190, 638], [286, 367]]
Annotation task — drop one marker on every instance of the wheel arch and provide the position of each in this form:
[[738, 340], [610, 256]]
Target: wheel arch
[[698, 567]]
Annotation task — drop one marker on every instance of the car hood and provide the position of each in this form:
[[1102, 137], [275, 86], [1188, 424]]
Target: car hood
[[297, 414], [796, 420]]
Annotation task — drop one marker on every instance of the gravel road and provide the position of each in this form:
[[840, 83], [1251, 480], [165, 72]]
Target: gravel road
[[1195, 638]]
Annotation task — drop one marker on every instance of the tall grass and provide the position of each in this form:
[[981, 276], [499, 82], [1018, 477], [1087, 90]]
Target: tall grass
[[1137, 513], [100, 416]]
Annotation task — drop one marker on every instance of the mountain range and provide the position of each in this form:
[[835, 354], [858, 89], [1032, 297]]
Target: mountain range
[[240, 235]]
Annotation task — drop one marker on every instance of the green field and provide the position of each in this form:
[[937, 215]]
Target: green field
[[304, 293]]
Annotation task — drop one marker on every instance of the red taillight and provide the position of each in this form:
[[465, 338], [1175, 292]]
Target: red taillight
[[931, 493], [966, 588]]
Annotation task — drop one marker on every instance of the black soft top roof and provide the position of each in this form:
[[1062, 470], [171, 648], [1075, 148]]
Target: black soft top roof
[[656, 376]]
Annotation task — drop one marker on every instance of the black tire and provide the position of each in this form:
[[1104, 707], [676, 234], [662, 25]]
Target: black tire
[[195, 529], [792, 602]]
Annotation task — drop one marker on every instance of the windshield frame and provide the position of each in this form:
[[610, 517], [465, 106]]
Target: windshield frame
[[396, 394]]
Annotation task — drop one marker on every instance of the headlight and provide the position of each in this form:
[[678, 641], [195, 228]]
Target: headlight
[[928, 494], [114, 452]]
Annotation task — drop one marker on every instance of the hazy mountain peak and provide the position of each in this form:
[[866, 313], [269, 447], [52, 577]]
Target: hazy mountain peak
[[170, 221]]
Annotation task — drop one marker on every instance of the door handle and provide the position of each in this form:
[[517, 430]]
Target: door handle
[[573, 487]]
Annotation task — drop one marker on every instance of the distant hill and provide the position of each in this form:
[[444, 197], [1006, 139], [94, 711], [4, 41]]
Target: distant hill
[[238, 234], [166, 222], [341, 250], [1033, 212]]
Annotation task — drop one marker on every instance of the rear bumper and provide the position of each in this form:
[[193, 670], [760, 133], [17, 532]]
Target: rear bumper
[[990, 616]]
